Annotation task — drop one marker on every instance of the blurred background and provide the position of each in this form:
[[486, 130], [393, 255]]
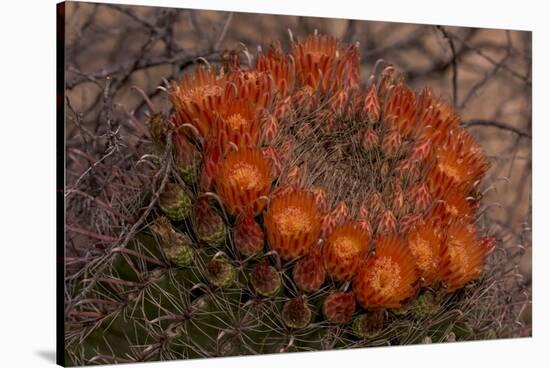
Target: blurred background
[[118, 56]]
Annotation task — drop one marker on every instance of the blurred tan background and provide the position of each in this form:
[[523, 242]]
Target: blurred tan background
[[486, 73]]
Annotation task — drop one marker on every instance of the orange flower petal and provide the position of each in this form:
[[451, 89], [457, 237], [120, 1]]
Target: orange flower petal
[[424, 242], [462, 255], [242, 177], [292, 223], [343, 250], [388, 277]]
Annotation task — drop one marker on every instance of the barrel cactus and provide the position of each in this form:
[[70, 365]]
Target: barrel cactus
[[296, 208]]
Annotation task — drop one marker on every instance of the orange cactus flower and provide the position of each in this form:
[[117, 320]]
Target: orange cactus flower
[[292, 223], [210, 164], [454, 204], [279, 66], [459, 162], [344, 249], [462, 255], [412, 172], [424, 242], [435, 117], [320, 62], [237, 123], [388, 277], [242, 178], [197, 97], [253, 86], [400, 109]]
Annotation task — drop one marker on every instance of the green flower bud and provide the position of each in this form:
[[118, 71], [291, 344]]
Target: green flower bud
[[265, 279], [296, 313], [176, 246], [181, 255], [220, 272], [368, 325], [187, 159], [209, 226], [175, 202], [426, 304], [157, 130], [189, 173]]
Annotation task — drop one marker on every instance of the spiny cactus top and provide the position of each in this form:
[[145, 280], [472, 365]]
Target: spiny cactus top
[[303, 208], [381, 179]]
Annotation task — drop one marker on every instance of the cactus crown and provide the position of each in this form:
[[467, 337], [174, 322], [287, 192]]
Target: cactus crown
[[322, 214]]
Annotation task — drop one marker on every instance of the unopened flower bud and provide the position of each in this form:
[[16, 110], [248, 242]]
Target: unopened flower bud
[[175, 202], [296, 313]]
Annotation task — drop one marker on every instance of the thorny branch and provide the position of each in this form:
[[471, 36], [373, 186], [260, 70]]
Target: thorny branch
[[498, 125], [453, 63]]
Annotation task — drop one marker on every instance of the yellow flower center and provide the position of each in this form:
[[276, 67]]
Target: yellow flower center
[[245, 176], [346, 246], [423, 253], [457, 255], [451, 209], [235, 121], [292, 221], [386, 276], [451, 167], [198, 93]]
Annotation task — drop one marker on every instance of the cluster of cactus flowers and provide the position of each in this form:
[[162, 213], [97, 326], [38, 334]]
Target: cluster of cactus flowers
[[369, 193], [305, 205]]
